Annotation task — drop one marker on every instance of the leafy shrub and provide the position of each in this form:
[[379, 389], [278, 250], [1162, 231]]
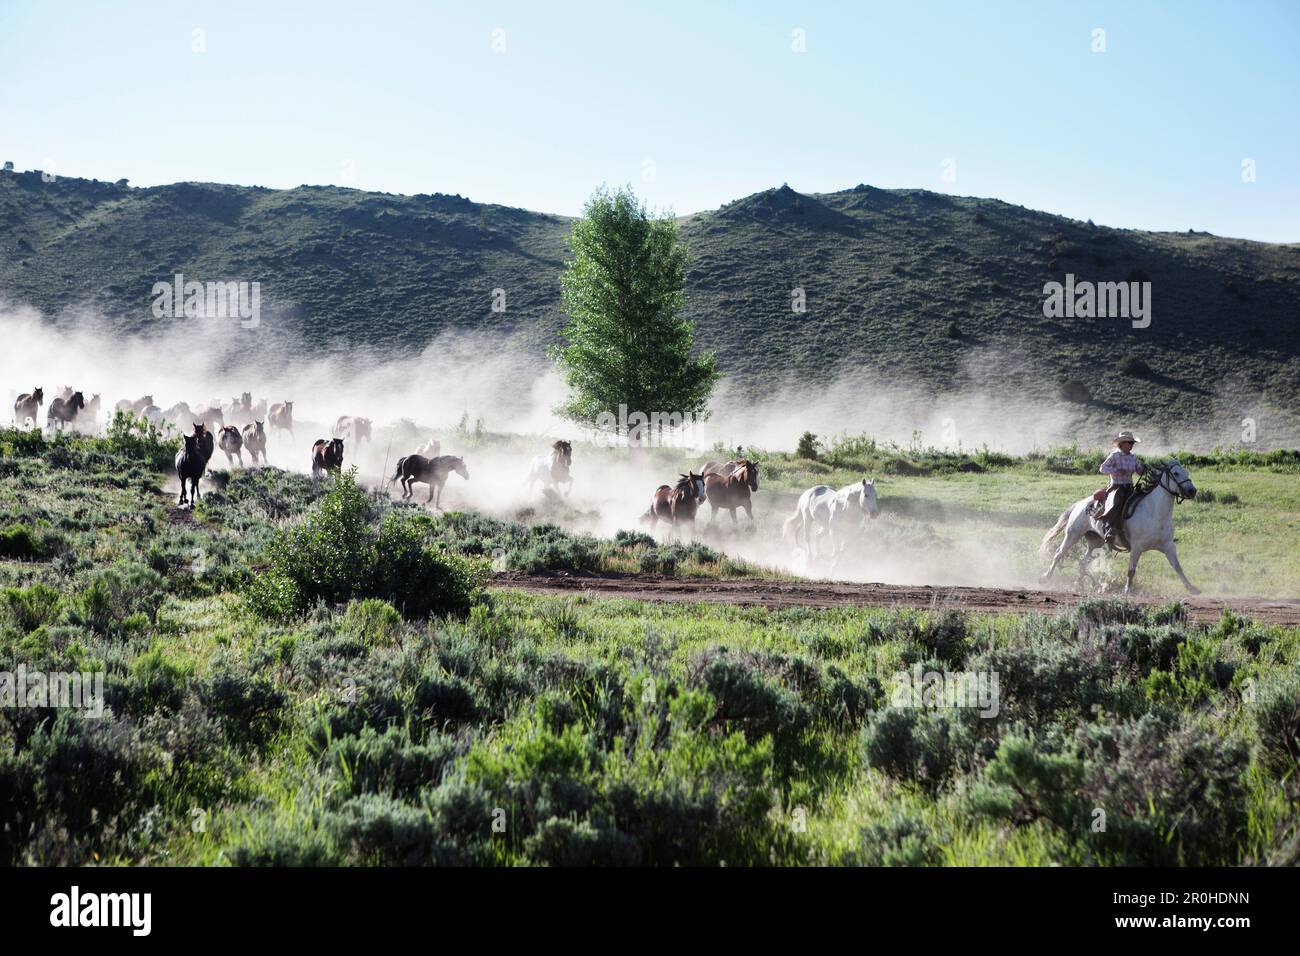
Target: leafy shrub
[[390, 763], [32, 607], [808, 447], [1135, 367], [1076, 391], [335, 555], [139, 439], [913, 745], [633, 539], [900, 840], [563, 842], [1276, 715]]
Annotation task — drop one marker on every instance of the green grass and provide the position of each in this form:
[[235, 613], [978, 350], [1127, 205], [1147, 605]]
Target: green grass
[[565, 730]]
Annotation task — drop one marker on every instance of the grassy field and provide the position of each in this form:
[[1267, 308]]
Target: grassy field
[[297, 672]]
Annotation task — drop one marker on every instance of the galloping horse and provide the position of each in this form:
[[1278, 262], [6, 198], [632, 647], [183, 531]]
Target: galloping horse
[[677, 505], [255, 441], [1150, 527], [190, 465], [729, 486], [27, 405], [353, 429], [232, 444], [326, 456], [63, 412], [553, 471], [433, 472], [823, 507], [203, 440], [280, 417]]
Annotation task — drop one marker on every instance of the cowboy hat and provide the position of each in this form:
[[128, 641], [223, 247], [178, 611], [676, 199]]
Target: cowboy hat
[[1126, 436]]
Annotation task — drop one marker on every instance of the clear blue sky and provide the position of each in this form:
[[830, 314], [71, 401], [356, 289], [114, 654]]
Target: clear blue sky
[[1149, 134]]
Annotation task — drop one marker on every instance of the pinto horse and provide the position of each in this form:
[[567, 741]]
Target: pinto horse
[[326, 456], [553, 471], [729, 486], [27, 405], [434, 472], [677, 505]]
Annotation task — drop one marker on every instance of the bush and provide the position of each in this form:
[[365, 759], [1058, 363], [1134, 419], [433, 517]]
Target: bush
[[808, 447], [912, 745], [1135, 367], [1076, 391], [1276, 715], [336, 555]]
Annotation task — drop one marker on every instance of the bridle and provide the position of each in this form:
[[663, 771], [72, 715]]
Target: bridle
[[1179, 491]]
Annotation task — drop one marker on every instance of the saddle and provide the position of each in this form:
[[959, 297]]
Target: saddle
[[1098, 508]]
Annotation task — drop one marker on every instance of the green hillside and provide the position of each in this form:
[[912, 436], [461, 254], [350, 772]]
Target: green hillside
[[918, 287]]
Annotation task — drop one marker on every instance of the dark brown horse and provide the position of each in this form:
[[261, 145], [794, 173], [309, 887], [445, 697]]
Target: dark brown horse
[[27, 405], [434, 472], [255, 441], [326, 456], [190, 465], [677, 505], [63, 412], [729, 486], [232, 443]]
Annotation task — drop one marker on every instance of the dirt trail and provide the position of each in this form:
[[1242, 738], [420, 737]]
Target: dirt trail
[[778, 594]]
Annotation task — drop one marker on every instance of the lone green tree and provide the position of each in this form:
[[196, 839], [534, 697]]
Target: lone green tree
[[626, 343]]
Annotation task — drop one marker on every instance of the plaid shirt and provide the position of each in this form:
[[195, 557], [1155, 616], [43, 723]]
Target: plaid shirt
[[1121, 467]]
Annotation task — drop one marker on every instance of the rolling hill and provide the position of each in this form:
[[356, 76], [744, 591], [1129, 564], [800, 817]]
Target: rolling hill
[[901, 285]]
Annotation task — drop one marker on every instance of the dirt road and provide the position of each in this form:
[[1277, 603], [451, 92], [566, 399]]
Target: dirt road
[[778, 594]]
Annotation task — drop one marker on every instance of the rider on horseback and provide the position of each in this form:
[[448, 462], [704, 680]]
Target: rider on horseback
[[1121, 465]]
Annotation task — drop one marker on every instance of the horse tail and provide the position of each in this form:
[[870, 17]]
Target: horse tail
[[1057, 528], [397, 472]]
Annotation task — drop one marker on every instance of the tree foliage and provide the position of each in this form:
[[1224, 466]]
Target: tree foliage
[[626, 343]]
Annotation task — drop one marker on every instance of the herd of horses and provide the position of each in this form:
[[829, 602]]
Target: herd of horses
[[822, 514]]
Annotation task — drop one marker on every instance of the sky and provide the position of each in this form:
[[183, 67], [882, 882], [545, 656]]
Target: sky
[[1181, 115]]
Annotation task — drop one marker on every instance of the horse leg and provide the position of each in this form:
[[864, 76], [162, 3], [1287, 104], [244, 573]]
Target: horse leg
[[749, 510], [1132, 569], [732, 512], [1068, 542], [1171, 552]]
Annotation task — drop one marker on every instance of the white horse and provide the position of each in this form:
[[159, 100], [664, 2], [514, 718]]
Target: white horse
[[822, 507], [553, 470], [1151, 527]]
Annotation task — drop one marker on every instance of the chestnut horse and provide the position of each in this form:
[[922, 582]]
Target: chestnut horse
[[729, 486], [677, 505]]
